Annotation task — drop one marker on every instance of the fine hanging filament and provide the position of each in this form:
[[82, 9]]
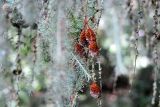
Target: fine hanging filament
[[100, 10], [93, 71], [100, 81], [155, 76], [18, 69], [129, 5], [155, 54], [139, 27], [96, 84], [136, 23]]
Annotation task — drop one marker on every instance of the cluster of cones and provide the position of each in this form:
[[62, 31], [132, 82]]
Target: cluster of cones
[[87, 41], [87, 44], [95, 90]]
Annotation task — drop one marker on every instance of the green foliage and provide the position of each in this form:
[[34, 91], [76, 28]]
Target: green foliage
[[45, 51], [76, 24]]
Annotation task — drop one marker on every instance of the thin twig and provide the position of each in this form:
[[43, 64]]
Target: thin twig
[[85, 71]]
